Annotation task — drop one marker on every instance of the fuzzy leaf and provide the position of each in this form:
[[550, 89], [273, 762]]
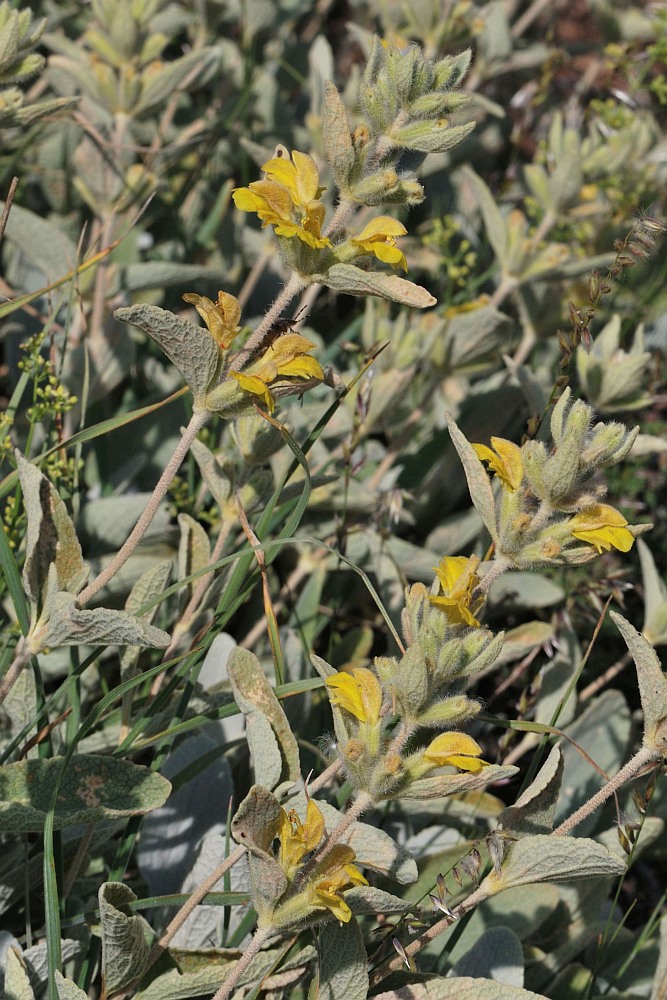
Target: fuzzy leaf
[[494, 223], [190, 348], [430, 137], [17, 981], [343, 962], [64, 624], [161, 84], [67, 990], [478, 481], [194, 550], [533, 812], [658, 991], [652, 685], [496, 955], [460, 988], [455, 784], [353, 281], [254, 826], [124, 940], [552, 859], [336, 138], [214, 476], [50, 538], [367, 900], [93, 788], [655, 597], [273, 748]]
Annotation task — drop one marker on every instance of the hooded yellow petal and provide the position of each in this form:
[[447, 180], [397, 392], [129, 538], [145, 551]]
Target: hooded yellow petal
[[359, 693], [505, 460], [380, 228], [256, 387], [602, 526]]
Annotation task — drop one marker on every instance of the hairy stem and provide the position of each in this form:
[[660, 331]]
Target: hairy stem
[[254, 342], [631, 770], [21, 657], [243, 963], [141, 527]]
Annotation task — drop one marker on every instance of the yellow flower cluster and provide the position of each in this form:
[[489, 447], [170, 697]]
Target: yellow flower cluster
[[458, 579], [287, 358], [332, 876], [288, 198]]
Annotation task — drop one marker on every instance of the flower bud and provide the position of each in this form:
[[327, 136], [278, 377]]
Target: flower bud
[[376, 188]]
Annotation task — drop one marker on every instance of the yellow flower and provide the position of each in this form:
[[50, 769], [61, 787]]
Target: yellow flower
[[288, 199], [287, 358], [335, 874], [298, 839], [603, 527], [221, 317], [455, 750], [505, 460], [379, 238], [458, 579], [359, 693]]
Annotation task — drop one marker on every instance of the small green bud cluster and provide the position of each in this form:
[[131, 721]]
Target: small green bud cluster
[[562, 478], [406, 101]]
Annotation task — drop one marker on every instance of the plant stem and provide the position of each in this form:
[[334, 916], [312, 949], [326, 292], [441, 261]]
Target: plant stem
[[254, 342], [631, 769], [21, 657], [193, 902], [396, 963], [244, 961], [141, 527]]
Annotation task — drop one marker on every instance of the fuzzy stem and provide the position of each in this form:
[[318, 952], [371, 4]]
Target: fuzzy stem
[[360, 804], [631, 769], [243, 963], [21, 657], [495, 569], [396, 963], [254, 341], [141, 527]]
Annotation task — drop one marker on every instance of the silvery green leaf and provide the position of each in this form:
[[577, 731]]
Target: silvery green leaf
[[455, 784], [273, 748], [430, 136], [496, 955], [67, 990], [460, 988], [478, 481], [17, 982], [254, 827], [93, 788], [533, 812], [50, 537], [652, 685], [190, 348], [520, 589], [148, 587], [343, 963], [64, 624], [160, 84], [215, 478], [194, 550], [354, 281], [494, 223], [655, 598], [369, 901], [125, 944], [542, 858], [336, 135]]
